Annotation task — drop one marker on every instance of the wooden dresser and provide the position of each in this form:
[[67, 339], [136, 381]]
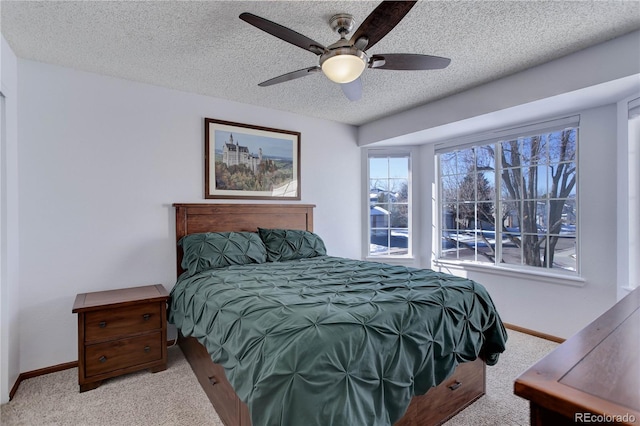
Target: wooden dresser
[[593, 377], [120, 331]]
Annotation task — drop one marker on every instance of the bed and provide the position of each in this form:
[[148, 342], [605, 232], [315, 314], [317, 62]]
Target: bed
[[319, 340]]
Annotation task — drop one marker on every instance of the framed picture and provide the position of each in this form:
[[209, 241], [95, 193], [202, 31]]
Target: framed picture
[[251, 162]]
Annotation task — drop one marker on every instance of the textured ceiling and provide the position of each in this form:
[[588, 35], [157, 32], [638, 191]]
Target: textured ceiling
[[203, 47]]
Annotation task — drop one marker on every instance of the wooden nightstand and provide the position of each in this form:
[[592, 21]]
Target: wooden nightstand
[[120, 331]]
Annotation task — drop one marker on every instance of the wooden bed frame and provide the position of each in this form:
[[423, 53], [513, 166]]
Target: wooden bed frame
[[442, 402]]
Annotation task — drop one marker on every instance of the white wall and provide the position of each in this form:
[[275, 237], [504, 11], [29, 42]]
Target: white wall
[[471, 111], [101, 161], [9, 337]]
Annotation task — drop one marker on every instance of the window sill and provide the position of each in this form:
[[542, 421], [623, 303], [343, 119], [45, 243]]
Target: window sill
[[393, 260], [544, 276]]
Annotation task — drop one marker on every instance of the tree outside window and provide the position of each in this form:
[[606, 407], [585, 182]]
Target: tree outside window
[[530, 220]]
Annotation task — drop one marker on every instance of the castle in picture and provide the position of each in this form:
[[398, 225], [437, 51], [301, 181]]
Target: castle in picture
[[233, 154]]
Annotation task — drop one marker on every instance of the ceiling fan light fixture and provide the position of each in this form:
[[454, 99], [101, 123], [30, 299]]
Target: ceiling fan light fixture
[[343, 65]]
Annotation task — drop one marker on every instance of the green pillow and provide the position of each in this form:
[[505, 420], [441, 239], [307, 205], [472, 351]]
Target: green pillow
[[290, 244], [216, 249]]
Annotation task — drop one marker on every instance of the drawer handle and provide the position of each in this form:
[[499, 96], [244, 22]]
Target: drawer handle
[[102, 324], [146, 317], [455, 386], [147, 348], [213, 380], [102, 359]]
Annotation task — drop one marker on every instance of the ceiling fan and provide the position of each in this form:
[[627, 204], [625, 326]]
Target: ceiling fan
[[344, 61]]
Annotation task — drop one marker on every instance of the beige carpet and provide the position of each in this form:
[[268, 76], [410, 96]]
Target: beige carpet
[[174, 397], [170, 397]]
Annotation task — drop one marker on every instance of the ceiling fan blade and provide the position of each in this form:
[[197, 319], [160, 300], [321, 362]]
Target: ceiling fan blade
[[383, 19], [408, 61], [352, 90], [283, 33], [290, 76]]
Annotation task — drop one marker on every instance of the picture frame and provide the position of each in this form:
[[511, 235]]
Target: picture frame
[[244, 161]]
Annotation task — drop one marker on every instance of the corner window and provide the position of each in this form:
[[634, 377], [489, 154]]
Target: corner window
[[511, 201], [633, 214], [389, 204]]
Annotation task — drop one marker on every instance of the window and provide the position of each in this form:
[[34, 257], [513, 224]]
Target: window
[[511, 200], [389, 213], [633, 218]]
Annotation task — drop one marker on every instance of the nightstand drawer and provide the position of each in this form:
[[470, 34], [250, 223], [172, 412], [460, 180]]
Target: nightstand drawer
[[105, 324], [106, 357]]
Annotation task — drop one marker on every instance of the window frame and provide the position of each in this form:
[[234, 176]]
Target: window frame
[[496, 138], [395, 152], [629, 207]]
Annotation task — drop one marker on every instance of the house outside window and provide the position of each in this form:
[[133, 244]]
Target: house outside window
[[511, 201], [389, 204]]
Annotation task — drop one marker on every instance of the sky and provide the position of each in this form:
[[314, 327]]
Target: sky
[[272, 147], [385, 167]]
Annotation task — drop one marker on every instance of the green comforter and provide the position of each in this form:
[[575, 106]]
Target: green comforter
[[332, 341]]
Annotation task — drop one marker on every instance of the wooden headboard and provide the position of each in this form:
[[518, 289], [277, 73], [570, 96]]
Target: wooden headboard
[[197, 218]]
